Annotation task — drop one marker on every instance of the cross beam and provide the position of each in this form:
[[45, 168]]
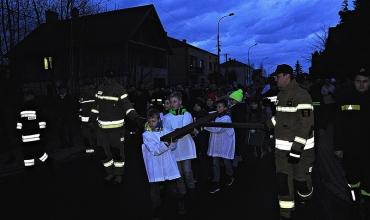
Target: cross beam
[[205, 122]]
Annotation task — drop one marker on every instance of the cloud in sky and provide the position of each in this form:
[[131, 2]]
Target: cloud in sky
[[282, 29]]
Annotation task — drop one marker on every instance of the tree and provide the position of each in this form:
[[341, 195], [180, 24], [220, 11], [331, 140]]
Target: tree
[[298, 68]]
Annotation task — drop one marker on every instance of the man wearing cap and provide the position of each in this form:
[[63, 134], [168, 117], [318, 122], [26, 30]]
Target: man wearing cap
[[86, 101], [109, 110], [351, 140], [294, 146]]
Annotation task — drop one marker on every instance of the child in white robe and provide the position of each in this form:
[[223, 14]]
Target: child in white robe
[[160, 163], [221, 145], [178, 117]]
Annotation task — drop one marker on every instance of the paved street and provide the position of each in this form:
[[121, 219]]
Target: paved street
[[75, 190]]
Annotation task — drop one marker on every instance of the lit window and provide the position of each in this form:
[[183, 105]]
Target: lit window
[[48, 63]]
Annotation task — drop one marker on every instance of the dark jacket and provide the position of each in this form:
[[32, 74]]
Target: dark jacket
[[352, 125], [239, 115]]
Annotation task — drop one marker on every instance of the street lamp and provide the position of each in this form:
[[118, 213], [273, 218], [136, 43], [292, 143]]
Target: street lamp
[[262, 65], [249, 65], [268, 70], [218, 45]]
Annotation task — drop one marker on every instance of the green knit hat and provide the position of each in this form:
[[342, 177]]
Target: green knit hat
[[237, 95]]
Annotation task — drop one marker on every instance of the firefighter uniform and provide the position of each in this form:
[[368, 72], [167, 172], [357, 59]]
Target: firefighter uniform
[[86, 101], [109, 109], [351, 135], [294, 147], [31, 128]]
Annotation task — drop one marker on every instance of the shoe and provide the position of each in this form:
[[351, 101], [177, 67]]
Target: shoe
[[181, 208], [108, 178], [118, 180], [229, 181], [215, 187]]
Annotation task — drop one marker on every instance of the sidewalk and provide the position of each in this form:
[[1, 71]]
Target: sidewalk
[[330, 167]]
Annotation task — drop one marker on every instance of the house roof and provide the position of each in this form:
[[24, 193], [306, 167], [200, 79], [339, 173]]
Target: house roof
[[175, 43], [233, 63], [113, 27]]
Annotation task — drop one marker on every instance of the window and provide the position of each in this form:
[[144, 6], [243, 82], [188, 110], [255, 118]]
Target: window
[[193, 61], [210, 66], [201, 63], [48, 63]]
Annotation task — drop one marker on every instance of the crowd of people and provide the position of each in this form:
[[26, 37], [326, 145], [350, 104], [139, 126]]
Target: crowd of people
[[290, 112]]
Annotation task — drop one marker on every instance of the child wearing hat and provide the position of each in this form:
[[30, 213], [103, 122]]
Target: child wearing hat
[[210, 103], [238, 113]]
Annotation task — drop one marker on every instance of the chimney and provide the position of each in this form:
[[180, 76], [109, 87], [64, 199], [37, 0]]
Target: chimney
[[51, 20], [75, 13], [184, 40]]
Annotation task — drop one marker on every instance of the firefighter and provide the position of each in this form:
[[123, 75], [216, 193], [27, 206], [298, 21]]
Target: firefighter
[[31, 129], [86, 101], [351, 140], [109, 109], [294, 141]]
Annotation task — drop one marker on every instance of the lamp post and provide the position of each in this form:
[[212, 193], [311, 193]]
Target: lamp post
[[268, 70], [262, 66], [218, 46], [249, 65]]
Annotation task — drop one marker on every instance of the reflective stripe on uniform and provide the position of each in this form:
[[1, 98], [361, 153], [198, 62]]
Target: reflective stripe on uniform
[[108, 164], [305, 196], [300, 140], [286, 145], [111, 124], [111, 98], [29, 163], [272, 98], [130, 110], [119, 164], [294, 109], [124, 96], [84, 119], [42, 124], [86, 101], [286, 204], [89, 151], [273, 120], [354, 185], [350, 107], [26, 114], [95, 111], [316, 103], [19, 125], [44, 157], [30, 138]]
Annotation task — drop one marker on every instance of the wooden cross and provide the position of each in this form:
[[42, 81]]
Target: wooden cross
[[205, 122]]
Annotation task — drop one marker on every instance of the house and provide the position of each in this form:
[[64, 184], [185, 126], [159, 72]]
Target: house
[[190, 65], [236, 72], [131, 41]]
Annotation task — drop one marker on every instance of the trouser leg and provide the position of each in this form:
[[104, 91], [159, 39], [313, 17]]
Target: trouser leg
[[188, 173], [216, 169], [302, 174], [180, 181], [228, 165], [284, 174], [117, 137], [103, 149]]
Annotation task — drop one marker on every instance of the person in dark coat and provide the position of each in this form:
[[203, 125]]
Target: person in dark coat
[[238, 114], [201, 139], [64, 108]]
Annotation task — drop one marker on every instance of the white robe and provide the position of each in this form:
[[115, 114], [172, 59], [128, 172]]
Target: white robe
[[159, 160], [185, 146], [221, 140]]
